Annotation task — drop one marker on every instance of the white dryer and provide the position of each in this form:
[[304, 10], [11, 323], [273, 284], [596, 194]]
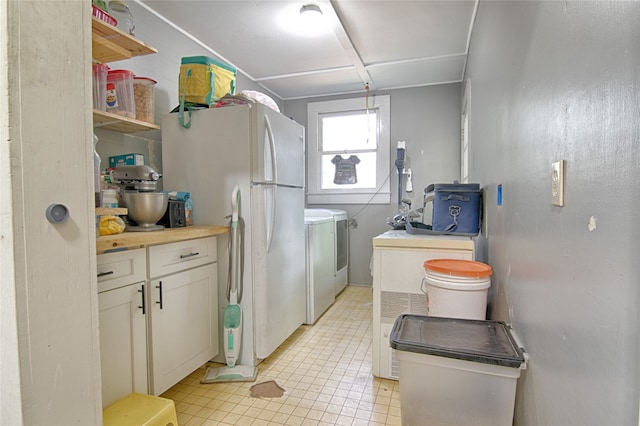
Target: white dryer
[[341, 244], [319, 265]]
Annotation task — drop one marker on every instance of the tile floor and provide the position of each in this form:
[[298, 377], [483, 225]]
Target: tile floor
[[325, 370]]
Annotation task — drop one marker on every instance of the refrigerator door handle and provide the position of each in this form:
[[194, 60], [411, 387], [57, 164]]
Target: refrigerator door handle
[[272, 220], [272, 150]]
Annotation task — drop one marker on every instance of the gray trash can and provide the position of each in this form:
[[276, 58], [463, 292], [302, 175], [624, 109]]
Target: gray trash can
[[456, 371]]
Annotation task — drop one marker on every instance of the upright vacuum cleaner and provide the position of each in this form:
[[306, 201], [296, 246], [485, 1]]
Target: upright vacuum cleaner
[[232, 327]]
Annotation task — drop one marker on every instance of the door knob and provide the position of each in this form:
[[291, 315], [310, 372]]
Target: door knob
[[57, 213]]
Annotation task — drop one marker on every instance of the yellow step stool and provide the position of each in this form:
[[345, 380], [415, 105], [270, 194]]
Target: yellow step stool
[[138, 409]]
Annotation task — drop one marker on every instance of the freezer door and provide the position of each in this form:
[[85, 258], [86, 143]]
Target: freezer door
[[208, 160], [279, 265], [279, 150]]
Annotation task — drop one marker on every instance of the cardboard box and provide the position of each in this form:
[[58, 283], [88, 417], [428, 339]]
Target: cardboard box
[[126, 160]]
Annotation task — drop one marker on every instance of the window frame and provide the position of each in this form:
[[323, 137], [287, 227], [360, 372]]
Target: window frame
[[464, 134], [381, 194]]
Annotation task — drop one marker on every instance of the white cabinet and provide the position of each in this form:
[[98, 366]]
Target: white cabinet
[[398, 272], [158, 315], [123, 347], [183, 324], [183, 319]]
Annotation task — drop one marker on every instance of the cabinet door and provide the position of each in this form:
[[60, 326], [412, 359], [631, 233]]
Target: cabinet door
[[123, 348], [184, 324]]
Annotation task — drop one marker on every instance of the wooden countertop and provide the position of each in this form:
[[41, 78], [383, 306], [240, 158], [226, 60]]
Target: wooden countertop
[[132, 240]]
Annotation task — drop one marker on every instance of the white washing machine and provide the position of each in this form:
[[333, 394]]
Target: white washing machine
[[398, 259], [319, 265], [341, 244]]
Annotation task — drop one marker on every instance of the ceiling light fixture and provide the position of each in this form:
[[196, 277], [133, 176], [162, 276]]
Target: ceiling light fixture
[[310, 9], [311, 19], [305, 21]]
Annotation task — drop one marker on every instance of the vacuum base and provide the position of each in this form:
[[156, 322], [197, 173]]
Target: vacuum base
[[239, 373]]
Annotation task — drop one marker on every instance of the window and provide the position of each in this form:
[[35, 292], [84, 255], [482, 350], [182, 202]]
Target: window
[[348, 151]]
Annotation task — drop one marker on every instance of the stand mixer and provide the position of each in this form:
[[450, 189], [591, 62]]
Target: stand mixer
[[138, 193]]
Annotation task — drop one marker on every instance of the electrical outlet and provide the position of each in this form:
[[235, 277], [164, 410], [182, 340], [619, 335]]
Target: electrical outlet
[[557, 183]]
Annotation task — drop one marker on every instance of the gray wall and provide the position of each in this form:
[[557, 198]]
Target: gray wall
[[552, 81], [428, 119]]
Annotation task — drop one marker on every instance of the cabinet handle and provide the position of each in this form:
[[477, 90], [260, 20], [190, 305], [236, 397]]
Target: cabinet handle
[[159, 287], [184, 256], [102, 274], [143, 303]]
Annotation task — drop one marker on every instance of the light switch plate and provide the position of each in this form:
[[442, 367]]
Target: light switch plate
[[557, 183]]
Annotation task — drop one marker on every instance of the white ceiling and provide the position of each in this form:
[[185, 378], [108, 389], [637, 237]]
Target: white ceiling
[[386, 43]]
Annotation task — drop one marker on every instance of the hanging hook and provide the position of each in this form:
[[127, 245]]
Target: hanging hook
[[366, 99]]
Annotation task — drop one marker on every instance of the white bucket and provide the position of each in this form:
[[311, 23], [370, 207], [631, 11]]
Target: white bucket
[[457, 288]]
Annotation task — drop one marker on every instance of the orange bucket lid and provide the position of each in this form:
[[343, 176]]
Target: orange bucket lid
[[462, 268]]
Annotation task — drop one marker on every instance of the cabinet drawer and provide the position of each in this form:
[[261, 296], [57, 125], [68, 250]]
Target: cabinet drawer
[[168, 258], [121, 268]]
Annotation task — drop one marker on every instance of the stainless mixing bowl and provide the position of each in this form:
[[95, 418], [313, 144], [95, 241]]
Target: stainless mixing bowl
[[146, 208]]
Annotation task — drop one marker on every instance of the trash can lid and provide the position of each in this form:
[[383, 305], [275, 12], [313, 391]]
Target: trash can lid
[[487, 342], [458, 267]]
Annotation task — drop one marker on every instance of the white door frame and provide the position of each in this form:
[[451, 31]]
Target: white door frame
[[50, 355]]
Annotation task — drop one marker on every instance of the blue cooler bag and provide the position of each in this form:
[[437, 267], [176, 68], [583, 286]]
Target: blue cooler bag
[[457, 208]]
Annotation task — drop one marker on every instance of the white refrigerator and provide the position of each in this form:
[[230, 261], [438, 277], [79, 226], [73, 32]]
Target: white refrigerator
[[262, 152]]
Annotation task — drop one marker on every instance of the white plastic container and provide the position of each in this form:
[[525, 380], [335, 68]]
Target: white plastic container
[[109, 199], [456, 371], [457, 288]]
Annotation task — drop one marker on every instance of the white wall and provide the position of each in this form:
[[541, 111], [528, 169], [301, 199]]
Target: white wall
[[428, 119], [10, 392], [552, 81]]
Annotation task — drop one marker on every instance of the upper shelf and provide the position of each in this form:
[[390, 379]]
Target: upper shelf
[[111, 44], [110, 121]]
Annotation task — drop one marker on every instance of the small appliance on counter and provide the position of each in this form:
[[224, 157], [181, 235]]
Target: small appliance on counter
[[178, 214], [175, 216], [138, 192]]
